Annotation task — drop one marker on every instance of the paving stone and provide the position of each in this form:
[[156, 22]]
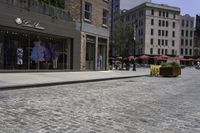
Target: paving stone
[[138, 105]]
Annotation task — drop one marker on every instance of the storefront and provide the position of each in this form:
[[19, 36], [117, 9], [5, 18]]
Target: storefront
[[96, 53], [31, 50], [33, 41]]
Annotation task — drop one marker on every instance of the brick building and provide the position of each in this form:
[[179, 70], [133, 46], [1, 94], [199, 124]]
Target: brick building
[[91, 17]]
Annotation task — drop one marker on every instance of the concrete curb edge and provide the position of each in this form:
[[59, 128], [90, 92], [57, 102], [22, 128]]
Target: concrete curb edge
[[65, 82]]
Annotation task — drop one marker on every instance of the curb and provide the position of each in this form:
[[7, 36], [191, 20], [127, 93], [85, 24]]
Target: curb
[[65, 82]]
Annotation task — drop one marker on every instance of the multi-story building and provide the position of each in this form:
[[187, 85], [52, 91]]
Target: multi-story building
[[37, 36], [157, 28], [91, 18], [197, 37], [187, 35], [114, 12]]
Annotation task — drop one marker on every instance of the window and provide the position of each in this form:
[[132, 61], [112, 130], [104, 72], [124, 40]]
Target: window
[[151, 51], [163, 41], [190, 51], [159, 32], [166, 51], [173, 43], [186, 34], [183, 23], [163, 23], [151, 31], [158, 51], [160, 13], [173, 53], [191, 24], [105, 17], [159, 23], [163, 14], [186, 42], [166, 42], [166, 33], [167, 14], [190, 42], [162, 51], [88, 11], [163, 33], [182, 42], [182, 32], [152, 21], [186, 51], [158, 41], [174, 16], [187, 23], [191, 33], [181, 51], [152, 12], [173, 33], [151, 41], [174, 24], [167, 23]]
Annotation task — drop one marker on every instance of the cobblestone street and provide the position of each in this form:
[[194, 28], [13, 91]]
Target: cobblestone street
[[137, 105]]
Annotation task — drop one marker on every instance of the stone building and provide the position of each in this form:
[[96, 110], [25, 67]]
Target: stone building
[[187, 35], [91, 17], [157, 28]]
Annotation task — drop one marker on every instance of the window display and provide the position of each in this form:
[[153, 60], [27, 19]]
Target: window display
[[33, 51]]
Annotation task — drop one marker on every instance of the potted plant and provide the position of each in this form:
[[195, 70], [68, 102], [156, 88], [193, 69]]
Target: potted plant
[[170, 69]]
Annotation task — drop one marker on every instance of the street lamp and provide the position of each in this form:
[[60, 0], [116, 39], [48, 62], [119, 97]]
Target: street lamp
[[134, 41]]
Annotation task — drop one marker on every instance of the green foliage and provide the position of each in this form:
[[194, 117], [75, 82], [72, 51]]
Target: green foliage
[[170, 64], [123, 40]]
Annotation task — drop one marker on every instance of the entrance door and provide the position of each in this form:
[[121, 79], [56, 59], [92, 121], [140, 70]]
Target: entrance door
[[90, 56], [101, 60]]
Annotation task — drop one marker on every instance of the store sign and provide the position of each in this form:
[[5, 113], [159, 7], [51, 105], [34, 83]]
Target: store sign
[[28, 23]]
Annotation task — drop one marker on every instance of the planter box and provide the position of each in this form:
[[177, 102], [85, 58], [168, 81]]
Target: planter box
[[170, 71]]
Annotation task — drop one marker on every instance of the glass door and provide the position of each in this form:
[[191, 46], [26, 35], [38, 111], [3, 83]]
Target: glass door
[[90, 56]]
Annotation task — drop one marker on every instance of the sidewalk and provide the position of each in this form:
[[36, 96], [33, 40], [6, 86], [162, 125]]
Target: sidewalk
[[23, 80]]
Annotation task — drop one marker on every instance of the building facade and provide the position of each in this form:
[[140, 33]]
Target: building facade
[[197, 37], [37, 36], [91, 17], [187, 35], [157, 28]]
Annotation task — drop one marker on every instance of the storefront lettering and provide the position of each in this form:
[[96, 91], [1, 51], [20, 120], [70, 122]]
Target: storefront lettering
[[29, 23]]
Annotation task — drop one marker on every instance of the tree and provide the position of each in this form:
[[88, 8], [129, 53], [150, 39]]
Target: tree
[[123, 41]]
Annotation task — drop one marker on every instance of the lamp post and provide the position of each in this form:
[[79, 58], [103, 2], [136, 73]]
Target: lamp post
[[134, 42]]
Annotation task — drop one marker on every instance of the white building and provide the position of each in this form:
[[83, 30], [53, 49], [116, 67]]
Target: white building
[[157, 28], [187, 35]]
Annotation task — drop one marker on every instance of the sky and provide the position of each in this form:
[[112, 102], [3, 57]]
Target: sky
[[191, 7]]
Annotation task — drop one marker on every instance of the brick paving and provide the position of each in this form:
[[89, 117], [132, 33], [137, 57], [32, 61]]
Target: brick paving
[[138, 105]]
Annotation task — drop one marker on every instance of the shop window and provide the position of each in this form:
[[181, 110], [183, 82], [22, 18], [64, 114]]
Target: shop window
[[23, 50]]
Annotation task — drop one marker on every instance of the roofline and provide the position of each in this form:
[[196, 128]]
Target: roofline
[[150, 4]]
